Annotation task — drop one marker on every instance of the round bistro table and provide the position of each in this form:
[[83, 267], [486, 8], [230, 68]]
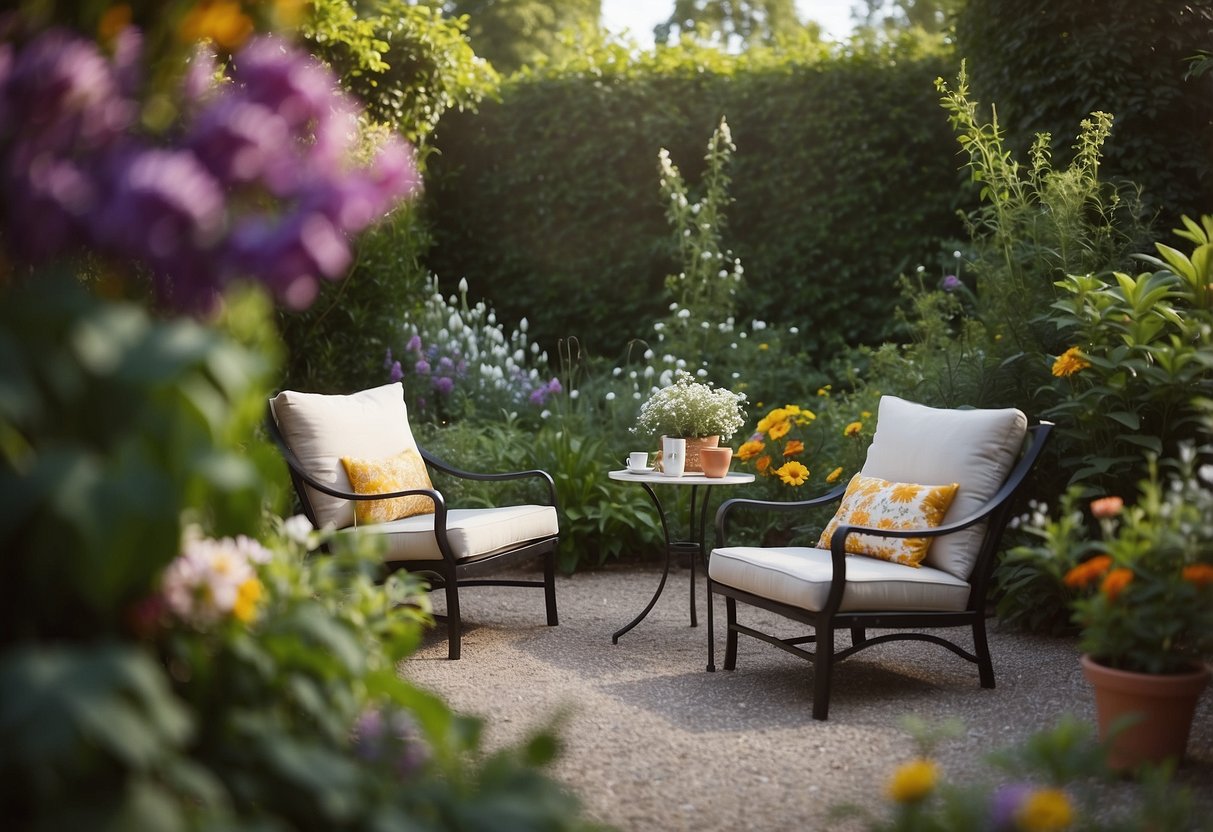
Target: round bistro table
[[694, 547]]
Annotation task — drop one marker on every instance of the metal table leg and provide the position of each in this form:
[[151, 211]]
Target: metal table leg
[[673, 548]]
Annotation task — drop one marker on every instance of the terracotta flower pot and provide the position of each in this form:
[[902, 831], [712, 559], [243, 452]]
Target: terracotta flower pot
[[715, 461], [1162, 706]]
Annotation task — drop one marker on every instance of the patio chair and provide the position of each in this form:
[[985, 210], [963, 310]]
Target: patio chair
[[911, 547], [356, 467]]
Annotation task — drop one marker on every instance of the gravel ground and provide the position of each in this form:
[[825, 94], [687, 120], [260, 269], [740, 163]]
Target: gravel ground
[[653, 742]]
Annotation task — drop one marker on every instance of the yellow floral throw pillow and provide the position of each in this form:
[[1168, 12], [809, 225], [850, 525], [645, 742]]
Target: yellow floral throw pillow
[[382, 476], [880, 504]]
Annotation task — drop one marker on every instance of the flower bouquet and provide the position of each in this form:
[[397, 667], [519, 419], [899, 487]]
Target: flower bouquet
[[691, 410]]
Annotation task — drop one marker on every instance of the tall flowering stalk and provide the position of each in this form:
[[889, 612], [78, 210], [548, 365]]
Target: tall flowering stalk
[[706, 287]]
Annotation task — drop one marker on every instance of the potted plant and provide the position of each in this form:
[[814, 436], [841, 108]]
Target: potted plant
[[1145, 609], [692, 410]]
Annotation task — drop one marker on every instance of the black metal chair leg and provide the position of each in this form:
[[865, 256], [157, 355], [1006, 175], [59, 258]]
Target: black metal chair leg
[[711, 631], [549, 586], [823, 660], [730, 639], [858, 635], [985, 667], [454, 625]]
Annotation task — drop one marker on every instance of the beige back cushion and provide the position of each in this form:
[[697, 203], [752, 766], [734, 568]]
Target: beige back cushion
[[320, 429], [974, 448]]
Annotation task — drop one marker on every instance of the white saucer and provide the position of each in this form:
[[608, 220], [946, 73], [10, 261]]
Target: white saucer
[[648, 469]]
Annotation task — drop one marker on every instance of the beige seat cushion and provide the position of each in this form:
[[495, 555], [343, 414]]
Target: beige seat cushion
[[800, 576], [472, 532], [321, 429], [975, 448]]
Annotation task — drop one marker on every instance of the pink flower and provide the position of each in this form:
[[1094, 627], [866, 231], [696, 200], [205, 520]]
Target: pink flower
[[1106, 507]]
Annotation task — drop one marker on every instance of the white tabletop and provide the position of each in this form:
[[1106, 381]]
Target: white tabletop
[[689, 478]]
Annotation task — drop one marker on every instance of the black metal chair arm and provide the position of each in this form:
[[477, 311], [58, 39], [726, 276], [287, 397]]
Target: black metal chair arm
[[729, 506], [459, 473]]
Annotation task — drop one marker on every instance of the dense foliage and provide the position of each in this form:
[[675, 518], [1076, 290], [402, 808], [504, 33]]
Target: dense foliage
[[549, 200], [1050, 64]]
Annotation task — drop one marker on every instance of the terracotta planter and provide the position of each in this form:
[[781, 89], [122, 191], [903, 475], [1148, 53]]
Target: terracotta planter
[[715, 461], [1162, 706]]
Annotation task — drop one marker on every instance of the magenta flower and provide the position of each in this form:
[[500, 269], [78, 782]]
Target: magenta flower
[[951, 283]]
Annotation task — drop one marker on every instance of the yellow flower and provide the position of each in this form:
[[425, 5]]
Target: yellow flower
[[750, 449], [794, 446], [834, 475], [779, 429], [867, 414], [222, 21], [1045, 810], [793, 473], [775, 417], [913, 781], [793, 410], [113, 21], [764, 347], [247, 597], [852, 429], [1069, 363]]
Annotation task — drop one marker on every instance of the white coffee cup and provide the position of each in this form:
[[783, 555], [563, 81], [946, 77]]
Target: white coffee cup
[[638, 461], [673, 456]]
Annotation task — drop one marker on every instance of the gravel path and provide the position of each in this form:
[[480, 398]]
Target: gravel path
[[653, 742]]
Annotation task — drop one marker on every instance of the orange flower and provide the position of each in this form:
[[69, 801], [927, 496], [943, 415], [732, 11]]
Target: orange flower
[[794, 446], [762, 464], [1115, 582], [1106, 507], [1069, 363], [779, 429], [750, 449], [852, 429], [113, 21], [1086, 572], [1200, 574]]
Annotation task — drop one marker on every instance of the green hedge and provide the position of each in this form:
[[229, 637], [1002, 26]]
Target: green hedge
[[844, 177], [1048, 65]]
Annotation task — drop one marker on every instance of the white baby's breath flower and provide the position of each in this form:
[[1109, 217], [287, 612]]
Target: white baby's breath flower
[[297, 529]]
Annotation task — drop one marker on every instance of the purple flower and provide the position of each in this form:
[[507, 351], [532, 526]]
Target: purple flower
[[444, 385], [554, 386], [294, 86], [238, 140], [1005, 802], [290, 256], [538, 396], [199, 78], [56, 198], [397, 374], [62, 93], [414, 344], [951, 283], [422, 367]]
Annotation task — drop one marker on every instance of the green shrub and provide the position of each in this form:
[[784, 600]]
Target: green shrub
[[1050, 64], [549, 199]]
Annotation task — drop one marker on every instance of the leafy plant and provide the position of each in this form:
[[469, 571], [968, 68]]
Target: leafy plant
[[1056, 780], [1141, 355]]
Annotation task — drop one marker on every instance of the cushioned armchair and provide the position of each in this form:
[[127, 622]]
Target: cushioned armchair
[[357, 468], [911, 546]]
